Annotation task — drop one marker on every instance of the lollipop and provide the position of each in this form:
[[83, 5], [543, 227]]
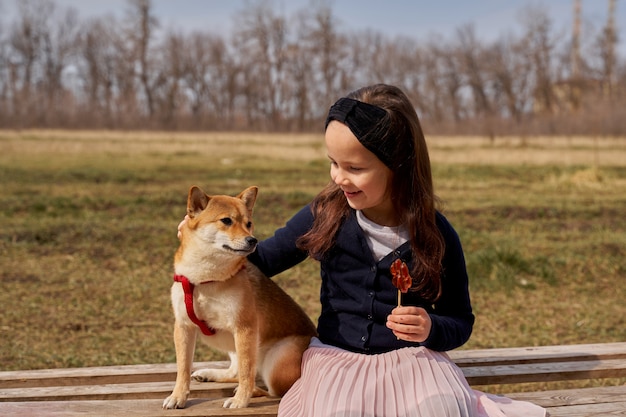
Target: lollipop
[[400, 277]]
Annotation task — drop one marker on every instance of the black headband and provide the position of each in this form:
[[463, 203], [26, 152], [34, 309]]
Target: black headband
[[364, 120]]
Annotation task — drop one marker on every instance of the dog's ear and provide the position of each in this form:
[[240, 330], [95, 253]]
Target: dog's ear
[[248, 196], [196, 201]]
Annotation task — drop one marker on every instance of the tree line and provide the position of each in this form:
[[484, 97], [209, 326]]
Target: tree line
[[280, 73]]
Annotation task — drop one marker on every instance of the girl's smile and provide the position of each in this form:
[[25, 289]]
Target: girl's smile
[[350, 194]]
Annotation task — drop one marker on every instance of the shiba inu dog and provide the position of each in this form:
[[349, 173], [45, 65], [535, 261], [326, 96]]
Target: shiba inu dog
[[226, 300]]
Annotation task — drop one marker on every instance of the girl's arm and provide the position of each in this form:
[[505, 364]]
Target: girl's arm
[[452, 318], [279, 252]]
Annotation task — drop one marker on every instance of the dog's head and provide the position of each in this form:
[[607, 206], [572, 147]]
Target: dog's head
[[221, 222]]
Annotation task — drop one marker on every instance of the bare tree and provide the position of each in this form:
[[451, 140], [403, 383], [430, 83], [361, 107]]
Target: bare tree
[[471, 54], [300, 75], [196, 60], [539, 44], [5, 109], [141, 25], [315, 64], [127, 85], [97, 57], [442, 85], [59, 46], [43, 43], [507, 69], [168, 92], [329, 49], [606, 45], [409, 66], [261, 38], [210, 78], [107, 72], [26, 40], [368, 55]]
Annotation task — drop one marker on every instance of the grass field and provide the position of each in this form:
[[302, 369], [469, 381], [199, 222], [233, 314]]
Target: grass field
[[88, 231]]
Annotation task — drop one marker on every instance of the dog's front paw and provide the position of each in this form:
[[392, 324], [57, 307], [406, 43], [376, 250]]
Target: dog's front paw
[[236, 402], [174, 401]]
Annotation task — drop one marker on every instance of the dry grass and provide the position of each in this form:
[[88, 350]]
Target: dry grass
[[542, 150], [221, 146], [87, 232]]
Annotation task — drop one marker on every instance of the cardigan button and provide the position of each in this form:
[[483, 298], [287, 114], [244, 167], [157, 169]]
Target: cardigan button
[[363, 338]]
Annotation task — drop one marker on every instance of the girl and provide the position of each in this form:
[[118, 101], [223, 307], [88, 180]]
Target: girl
[[372, 356]]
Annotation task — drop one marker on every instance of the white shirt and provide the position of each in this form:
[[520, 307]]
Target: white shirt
[[381, 239]]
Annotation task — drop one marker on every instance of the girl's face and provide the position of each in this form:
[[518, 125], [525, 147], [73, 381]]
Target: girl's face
[[363, 178]]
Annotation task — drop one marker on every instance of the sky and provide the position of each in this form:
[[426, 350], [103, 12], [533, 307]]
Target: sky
[[418, 19]]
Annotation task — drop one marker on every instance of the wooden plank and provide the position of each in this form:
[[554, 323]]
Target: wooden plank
[[142, 390], [96, 375], [483, 376], [543, 372], [590, 410], [167, 372], [478, 374], [136, 408], [561, 400], [573, 396], [149, 408], [538, 354], [212, 408]]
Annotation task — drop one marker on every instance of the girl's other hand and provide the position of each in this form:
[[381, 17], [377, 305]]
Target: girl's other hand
[[409, 323]]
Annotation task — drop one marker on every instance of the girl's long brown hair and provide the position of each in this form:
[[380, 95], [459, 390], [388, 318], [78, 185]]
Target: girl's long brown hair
[[412, 192]]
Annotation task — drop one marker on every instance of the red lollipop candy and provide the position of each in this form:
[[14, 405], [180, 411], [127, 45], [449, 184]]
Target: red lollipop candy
[[400, 276]]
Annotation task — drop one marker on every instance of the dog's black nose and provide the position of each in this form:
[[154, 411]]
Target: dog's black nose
[[251, 240]]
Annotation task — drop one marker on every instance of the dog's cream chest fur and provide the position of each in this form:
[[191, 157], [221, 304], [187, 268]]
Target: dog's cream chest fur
[[216, 303]]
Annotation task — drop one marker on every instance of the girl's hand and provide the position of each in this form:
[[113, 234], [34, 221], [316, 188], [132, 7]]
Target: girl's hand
[[409, 323], [181, 224]]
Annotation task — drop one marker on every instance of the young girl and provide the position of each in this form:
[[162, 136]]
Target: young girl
[[373, 357]]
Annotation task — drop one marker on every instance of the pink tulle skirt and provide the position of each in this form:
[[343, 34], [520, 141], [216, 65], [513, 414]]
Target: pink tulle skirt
[[411, 382]]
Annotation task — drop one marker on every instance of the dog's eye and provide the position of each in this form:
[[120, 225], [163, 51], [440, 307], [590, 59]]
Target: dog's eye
[[249, 225], [227, 221]]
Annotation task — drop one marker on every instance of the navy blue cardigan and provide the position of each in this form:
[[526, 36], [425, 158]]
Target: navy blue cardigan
[[356, 291]]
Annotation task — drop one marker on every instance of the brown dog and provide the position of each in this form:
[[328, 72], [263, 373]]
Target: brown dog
[[231, 304]]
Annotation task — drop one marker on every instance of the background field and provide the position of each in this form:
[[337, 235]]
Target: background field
[[88, 231]]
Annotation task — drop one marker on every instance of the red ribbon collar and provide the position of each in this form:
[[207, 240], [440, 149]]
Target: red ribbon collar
[[188, 288]]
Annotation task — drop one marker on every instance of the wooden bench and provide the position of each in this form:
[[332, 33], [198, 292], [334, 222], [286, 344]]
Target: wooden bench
[[138, 390]]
